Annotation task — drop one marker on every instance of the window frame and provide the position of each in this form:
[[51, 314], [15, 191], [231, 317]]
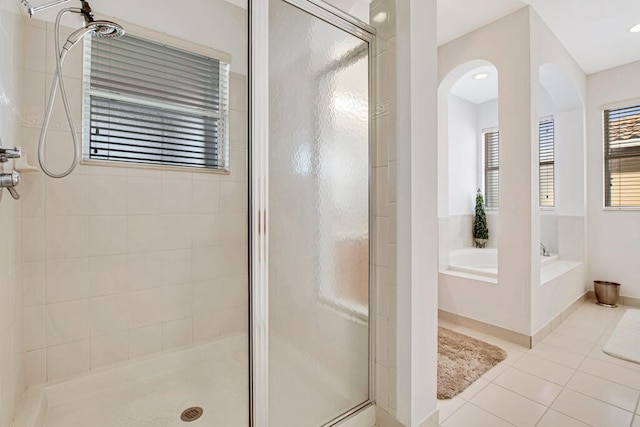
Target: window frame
[[485, 169], [170, 42], [552, 162], [635, 103]]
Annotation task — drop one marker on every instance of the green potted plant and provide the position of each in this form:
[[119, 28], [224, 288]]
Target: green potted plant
[[480, 230]]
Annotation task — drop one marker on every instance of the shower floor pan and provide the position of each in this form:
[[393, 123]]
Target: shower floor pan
[[150, 392], [154, 392]]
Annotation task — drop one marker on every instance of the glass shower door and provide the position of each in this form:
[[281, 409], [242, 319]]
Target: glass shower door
[[318, 218]]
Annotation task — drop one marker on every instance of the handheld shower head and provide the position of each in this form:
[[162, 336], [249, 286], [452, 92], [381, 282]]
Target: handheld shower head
[[103, 29], [106, 29]]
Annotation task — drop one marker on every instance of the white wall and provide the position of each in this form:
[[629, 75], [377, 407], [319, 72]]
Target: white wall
[[463, 156], [614, 235], [565, 84], [517, 45], [465, 122], [417, 188], [211, 23], [487, 119], [385, 211], [11, 334], [122, 262], [505, 43]]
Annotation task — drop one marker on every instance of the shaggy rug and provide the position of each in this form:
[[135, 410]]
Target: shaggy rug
[[462, 360], [625, 340]]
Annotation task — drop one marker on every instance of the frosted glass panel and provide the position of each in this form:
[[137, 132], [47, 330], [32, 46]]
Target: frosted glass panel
[[318, 219]]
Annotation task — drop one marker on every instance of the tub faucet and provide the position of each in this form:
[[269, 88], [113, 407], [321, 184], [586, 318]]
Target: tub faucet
[[543, 250]]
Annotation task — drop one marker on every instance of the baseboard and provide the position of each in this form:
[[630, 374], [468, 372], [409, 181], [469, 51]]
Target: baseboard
[[384, 419], [628, 301], [631, 302], [541, 334], [487, 328], [523, 339], [433, 420]]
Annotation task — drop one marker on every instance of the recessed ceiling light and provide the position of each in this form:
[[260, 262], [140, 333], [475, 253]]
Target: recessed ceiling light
[[635, 29], [480, 76], [380, 17]]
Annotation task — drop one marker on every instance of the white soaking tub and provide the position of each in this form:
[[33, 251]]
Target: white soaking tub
[[483, 261]]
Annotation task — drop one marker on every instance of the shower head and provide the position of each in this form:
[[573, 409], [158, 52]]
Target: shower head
[[102, 29], [106, 29]]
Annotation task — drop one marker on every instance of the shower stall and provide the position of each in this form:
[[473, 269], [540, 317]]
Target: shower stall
[[236, 291]]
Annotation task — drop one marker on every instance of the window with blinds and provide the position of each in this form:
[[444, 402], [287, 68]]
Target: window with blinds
[[491, 168], [622, 157], [150, 103], [547, 163]]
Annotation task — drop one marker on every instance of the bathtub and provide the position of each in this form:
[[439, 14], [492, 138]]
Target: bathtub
[[469, 293], [483, 262]]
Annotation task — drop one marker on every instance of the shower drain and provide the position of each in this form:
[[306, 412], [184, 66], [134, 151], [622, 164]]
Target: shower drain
[[191, 414]]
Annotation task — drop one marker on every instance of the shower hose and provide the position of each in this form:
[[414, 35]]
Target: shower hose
[[59, 80]]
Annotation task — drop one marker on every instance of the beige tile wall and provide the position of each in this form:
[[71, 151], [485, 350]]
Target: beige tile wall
[[123, 262], [385, 173], [11, 337]]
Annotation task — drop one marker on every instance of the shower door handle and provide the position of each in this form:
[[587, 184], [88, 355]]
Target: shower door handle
[[9, 181]]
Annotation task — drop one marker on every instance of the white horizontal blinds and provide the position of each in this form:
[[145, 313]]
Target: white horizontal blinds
[[622, 156], [152, 103], [547, 174], [491, 168]]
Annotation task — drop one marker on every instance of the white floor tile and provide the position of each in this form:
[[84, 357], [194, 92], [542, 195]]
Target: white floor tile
[[566, 381], [579, 320], [597, 353], [473, 389], [607, 391], [558, 355], [588, 335], [470, 415], [493, 373], [611, 372], [590, 410], [509, 406], [556, 419], [568, 343], [529, 386], [447, 407], [544, 369]]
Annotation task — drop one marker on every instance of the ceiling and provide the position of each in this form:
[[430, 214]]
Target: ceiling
[[595, 32], [477, 91]]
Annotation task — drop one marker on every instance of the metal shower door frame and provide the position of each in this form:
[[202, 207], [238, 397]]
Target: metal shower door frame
[[258, 150]]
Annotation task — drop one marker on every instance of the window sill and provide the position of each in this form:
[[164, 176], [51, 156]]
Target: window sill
[[621, 209], [129, 165]]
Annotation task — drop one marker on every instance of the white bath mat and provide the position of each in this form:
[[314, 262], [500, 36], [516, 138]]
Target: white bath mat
[[625, 340]]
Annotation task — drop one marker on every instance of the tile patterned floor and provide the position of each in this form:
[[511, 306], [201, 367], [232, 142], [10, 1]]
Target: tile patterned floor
[[565, 381]]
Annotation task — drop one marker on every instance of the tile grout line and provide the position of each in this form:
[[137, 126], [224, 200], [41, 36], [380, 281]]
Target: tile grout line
[[635, 411]]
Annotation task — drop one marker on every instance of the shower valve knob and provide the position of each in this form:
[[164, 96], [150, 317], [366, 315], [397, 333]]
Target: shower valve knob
[[9, 181], [9, 153]]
